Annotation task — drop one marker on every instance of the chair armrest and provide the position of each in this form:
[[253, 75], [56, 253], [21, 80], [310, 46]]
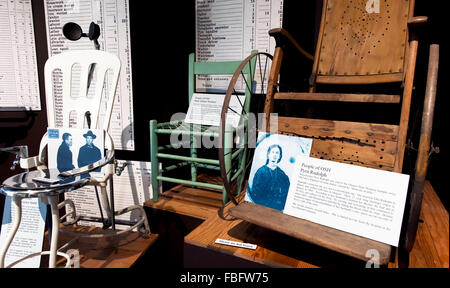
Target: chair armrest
[[31, 162], [281, 35], [417, 21]]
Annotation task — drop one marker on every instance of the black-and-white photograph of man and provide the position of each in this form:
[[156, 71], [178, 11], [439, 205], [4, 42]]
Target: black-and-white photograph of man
[[71, 148], [273, 162], [64, 157], [89, 153]]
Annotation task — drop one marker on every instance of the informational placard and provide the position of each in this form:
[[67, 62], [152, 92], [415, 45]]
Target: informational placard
[[205, 109], [19, 86], [113, 18], [132, 187], [230, 30], [30, 235], [363, 201]]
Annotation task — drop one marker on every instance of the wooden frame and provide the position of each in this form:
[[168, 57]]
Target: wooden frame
[[372, 145]]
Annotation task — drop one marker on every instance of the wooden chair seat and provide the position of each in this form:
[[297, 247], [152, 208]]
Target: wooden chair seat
[[336, 240]]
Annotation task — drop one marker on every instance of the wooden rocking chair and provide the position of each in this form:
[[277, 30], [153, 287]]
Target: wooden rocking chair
[[360, 44]]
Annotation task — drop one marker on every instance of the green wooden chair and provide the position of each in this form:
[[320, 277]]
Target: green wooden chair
[[194, 132]]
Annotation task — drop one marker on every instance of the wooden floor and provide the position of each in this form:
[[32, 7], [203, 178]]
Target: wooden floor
[[274, 249], [121, 251], [431, 249]]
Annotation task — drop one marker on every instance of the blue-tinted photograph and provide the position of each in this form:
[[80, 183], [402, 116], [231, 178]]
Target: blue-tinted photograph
[[273, 163], [70, 148]]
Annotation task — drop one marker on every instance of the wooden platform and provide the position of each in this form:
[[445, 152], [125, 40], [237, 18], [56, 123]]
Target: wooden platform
[[200, 203], [278, 250], [107, 252]]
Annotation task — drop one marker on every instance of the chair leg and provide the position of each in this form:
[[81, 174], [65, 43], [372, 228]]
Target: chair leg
[[106, 206], [193, 145], [403, 258], [154, 159], [16, 203], [53, 201]]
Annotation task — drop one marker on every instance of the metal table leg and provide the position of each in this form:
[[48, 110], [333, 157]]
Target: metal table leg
[[16, 204], [53, 201]]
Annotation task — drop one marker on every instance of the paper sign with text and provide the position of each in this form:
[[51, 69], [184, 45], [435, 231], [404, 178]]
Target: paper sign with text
[[362, 201], [205, 109]]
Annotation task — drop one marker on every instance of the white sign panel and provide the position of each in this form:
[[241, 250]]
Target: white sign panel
[[30, 235], [205, 109], [19, 87], [363, 201], [230, 30]]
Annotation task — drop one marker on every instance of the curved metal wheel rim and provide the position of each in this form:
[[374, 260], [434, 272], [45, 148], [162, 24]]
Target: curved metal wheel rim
[[226, 102]]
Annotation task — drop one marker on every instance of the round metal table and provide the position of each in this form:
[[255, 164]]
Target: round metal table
[[23, 186]]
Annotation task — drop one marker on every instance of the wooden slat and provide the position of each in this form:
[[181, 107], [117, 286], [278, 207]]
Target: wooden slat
[[330, 238], [364, 144], [360, 79], [366, 132], [367, 98]]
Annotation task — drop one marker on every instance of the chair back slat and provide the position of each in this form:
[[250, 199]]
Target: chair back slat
[[74, 68]]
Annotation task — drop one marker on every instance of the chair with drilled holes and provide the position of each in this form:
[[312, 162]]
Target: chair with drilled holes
[[362, 46]]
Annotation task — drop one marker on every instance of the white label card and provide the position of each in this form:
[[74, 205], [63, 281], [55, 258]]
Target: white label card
[[205, 109], [363, 201], [30, 235], [236, 244]]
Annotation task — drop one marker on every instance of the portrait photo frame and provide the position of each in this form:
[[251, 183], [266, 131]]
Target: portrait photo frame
[[269, 183], [81, 154]]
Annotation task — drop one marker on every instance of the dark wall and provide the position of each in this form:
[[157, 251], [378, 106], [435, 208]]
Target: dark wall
[[162, 36]]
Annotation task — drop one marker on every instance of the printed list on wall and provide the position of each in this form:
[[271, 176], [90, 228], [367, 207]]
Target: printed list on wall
[[113, 18], [19, 87], [228, 30]]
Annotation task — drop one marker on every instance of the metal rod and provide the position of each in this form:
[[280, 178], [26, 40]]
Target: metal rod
[[53, 201], [173, 167], [111, 193]]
